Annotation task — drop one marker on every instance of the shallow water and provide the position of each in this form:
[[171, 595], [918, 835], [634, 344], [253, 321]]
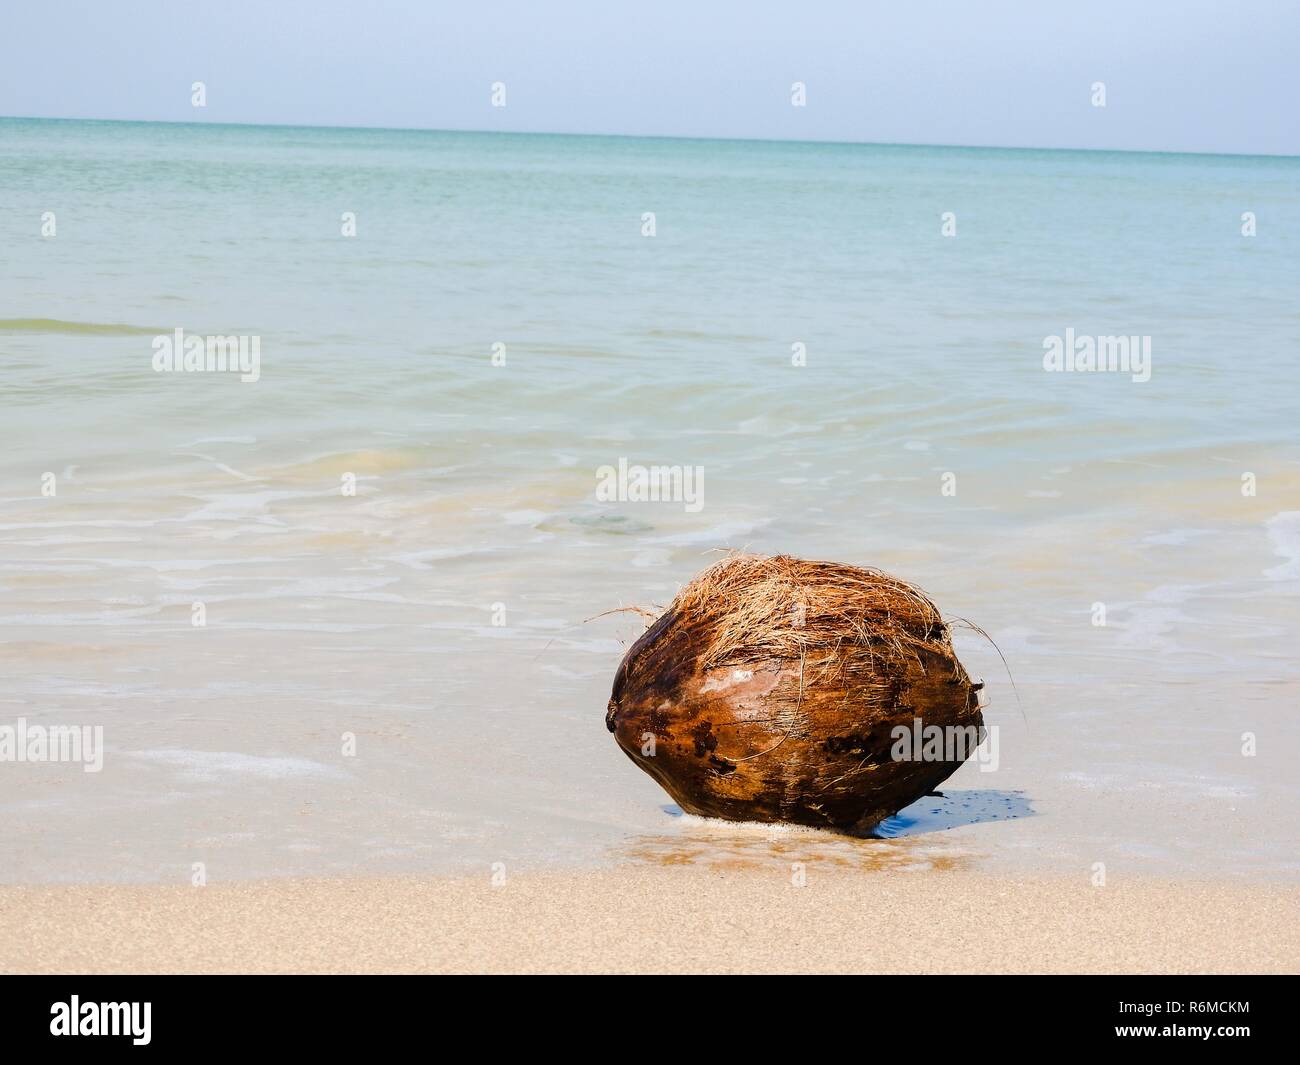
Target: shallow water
[[375, 614]]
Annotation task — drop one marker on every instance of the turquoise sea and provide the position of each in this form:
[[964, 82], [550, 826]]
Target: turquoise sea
[[854, 384]]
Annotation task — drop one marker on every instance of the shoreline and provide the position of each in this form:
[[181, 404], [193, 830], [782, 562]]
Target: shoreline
[[641, 919]]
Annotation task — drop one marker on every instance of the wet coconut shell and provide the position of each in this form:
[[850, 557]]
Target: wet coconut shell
[[772, 685]]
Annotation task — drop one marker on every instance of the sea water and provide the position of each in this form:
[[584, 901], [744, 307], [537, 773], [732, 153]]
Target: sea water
[[349, 612]]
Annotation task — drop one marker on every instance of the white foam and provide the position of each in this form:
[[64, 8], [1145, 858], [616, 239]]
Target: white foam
[[523, 517], [1175, 537], [1284, 532], [211, 766], [714, 535]]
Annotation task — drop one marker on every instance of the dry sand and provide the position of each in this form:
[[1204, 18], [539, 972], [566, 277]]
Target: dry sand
[[647, 919]]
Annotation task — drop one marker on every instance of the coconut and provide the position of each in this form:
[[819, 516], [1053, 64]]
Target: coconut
[[778, 689]]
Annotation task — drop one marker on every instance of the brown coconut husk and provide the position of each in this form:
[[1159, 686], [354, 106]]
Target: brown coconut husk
[[770, 688]]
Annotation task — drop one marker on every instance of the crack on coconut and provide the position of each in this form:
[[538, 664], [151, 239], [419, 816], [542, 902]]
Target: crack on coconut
[[721, 766]]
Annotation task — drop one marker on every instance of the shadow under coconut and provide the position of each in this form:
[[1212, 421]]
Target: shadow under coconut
[[908, 841], [953, 809]]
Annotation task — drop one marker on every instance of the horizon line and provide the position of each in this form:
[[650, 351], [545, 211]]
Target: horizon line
[[646, 136]]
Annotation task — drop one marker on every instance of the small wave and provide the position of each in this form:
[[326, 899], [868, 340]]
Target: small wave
[[228, 766], [57, 326], [1284, 532], [369, 461]]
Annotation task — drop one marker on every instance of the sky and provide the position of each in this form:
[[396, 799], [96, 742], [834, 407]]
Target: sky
[[1179, 75]]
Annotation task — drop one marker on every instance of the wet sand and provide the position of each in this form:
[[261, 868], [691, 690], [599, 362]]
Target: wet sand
[[653, 919]]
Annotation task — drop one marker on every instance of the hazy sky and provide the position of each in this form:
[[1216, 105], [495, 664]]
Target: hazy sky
[[1180, 74]]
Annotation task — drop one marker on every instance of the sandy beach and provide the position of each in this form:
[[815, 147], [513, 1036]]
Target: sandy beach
[[643, 919]]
